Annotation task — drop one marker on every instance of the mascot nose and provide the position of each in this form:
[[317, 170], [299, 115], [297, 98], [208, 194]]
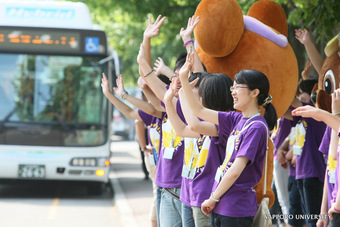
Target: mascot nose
[[313, 97]]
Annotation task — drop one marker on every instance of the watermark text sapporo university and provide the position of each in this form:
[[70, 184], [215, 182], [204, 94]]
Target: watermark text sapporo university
[[297, 216]]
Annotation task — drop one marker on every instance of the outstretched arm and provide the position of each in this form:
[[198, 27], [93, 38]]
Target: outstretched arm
[[189, 43], [122, 107], [313, 54], [140, 104], [305, 72], [140, 134], [161, 68], [331, 120], [152, 98], [324, 205], [318, 114], [156, 85], [151, 30], [170, 101], [201, 127], [196, 107]]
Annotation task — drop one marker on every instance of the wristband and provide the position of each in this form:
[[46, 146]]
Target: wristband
[[149, 73], [212, 197], [336, 210], [124, 94], [190, 41]]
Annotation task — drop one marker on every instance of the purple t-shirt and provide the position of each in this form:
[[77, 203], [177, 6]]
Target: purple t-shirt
[[281, 134], [324, 148], [195, 191], [310, 163], [154, 129], [168, 174], [240, 199], [194, 150], [336, 185]]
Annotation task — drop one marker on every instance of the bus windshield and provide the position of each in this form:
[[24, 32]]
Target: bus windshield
[[62, 92]]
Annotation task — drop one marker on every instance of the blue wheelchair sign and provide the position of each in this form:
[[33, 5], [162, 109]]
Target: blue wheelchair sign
[[91, 45]]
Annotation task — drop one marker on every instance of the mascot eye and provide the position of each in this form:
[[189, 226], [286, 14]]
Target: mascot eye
[[329, 82]]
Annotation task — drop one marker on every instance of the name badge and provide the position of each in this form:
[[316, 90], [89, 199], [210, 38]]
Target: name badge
[[188, 173], [192, 173], [185, 171], [332, 177], [169, 152], [297, 150], [219, 174], [152, 160]]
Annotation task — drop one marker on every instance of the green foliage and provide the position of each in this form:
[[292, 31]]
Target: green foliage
[[320, 17], [125, 20]]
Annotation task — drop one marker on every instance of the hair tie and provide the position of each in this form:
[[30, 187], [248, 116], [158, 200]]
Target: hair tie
[[267, 101]]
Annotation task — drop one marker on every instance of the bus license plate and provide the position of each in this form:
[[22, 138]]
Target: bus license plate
[[32, 171]]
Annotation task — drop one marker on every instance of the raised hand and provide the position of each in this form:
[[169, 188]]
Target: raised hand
[[153, 28], [302, 35], [186, 33], [159, 66], [120, 86], [306, 70], [105, 85], [172, 91], [141, 54], [183, 72], [336, 101]]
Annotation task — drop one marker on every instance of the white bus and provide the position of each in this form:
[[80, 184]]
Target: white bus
[[54, 120]]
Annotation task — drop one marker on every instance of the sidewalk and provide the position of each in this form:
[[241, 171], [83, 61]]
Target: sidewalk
[[132, 194]]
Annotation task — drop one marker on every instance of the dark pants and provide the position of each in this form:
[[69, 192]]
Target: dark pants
[[336, 220], [146, 172], [218, 220], [276, 209], [310, 190], [295, 203]]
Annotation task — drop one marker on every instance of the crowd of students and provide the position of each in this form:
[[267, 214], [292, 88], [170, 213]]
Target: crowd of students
[[208, 140]]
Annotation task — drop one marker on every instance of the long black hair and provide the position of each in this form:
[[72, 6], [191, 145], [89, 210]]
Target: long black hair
[[257, 80], [214, 91]]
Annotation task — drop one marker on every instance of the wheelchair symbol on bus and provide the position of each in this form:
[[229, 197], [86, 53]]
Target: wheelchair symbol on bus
[[91, 45]]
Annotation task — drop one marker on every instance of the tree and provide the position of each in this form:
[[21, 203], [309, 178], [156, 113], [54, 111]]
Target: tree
[[125, 20]]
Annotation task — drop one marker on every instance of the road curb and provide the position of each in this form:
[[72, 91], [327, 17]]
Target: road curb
[[120, 202]]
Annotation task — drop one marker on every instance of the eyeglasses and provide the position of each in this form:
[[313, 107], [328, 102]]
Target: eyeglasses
[[232, 88]]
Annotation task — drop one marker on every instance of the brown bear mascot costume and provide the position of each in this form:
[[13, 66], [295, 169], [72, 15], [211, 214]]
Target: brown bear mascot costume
[[229, 42]]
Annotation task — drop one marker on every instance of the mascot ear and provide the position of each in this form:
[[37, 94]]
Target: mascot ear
[[220, 28], [271, 14], [332, 46]]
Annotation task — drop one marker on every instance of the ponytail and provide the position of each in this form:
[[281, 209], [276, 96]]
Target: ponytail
[[270, 116]]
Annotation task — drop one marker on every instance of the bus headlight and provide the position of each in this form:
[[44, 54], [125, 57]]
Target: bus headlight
[[89, 162], [83, 162], [100, 172]]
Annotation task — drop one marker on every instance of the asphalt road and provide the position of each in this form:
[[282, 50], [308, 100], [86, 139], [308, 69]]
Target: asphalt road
[[53, 204]]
